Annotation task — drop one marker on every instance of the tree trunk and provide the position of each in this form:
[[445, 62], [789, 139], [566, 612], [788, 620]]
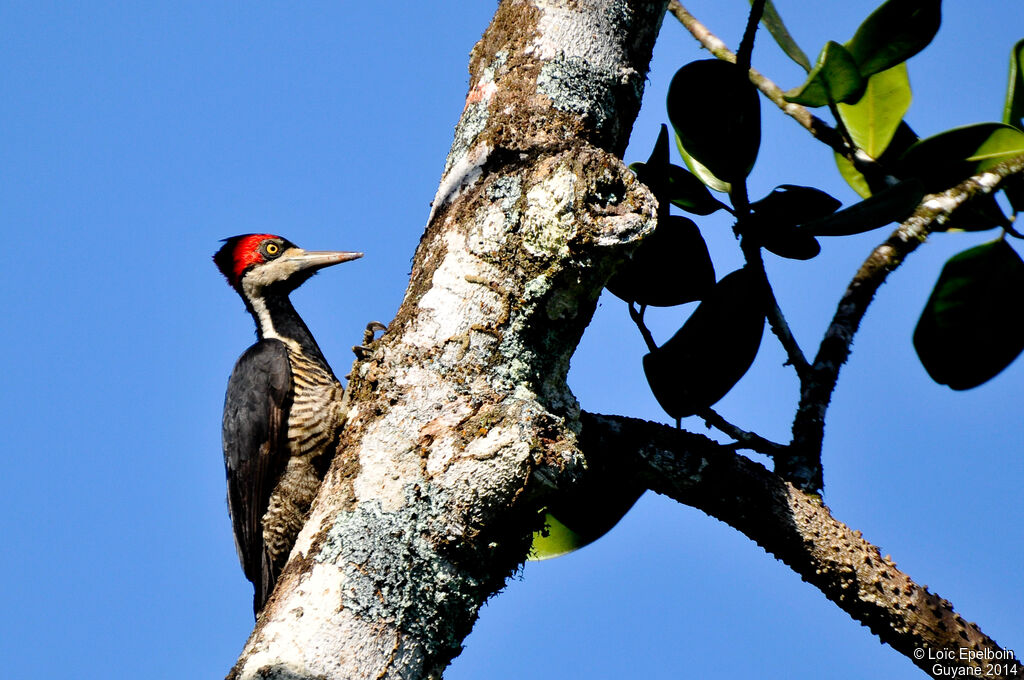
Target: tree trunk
[[461, 421]]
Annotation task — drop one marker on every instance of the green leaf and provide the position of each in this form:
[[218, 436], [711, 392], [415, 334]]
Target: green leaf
[[583, 513], [892, 204], [1013, 112], [901, 141], [716, 113], [853, 177], [971, 328], [554, 540], [835, 78], [950, 157], [773, 22], [670, 267], [894, 32], [873, 119], [713, 349]]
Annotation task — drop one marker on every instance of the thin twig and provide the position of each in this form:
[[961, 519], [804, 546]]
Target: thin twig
[[744, 440], [802, 464], [816, 126], [638, 318], [776, 320]]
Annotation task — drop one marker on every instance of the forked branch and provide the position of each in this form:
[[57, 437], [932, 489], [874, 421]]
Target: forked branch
[[803, 462]]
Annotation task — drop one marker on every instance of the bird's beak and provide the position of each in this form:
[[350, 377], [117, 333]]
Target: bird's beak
[[318, 259]]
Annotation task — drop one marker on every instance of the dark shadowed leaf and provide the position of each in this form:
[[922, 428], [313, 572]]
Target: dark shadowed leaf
[[791, 243], [716, 113], [659, 158], [892, 204], [873, 119], [1013, 187], [712, 350], [835, 78], [774, 220], [655, 172], [971, 328], [893, 33], [773, 22], [689, 193], [682, 189], [672, 184], [950, 157], [793, 204], [670, 267], [707, 177]]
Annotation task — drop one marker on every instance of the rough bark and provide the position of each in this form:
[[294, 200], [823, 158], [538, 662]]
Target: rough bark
[[461, 421]]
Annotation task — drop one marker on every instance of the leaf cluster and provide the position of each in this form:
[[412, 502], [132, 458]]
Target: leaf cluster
[[715, 114]]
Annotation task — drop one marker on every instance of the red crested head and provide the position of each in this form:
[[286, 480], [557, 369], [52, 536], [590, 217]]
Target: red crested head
[[239, 253], [272, 262]]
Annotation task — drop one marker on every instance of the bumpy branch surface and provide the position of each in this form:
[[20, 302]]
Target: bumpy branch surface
[[794, 527], [460, 422], [803, 463]]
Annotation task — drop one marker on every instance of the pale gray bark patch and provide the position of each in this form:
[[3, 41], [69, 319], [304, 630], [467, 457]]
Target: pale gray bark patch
[[575, 86]]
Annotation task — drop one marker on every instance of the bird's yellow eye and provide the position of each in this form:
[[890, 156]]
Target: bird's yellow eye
[[273, 249]]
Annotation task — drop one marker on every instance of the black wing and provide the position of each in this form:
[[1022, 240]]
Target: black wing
[[255, 435]]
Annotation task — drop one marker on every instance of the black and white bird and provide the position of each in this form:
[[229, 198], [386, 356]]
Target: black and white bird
[[282, 411]]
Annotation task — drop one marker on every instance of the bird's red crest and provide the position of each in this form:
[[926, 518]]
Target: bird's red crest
[[238, 254]]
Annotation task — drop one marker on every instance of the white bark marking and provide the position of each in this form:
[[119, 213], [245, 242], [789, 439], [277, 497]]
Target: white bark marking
[[576, 33], [295, 642], [463, 174], [453, 304]]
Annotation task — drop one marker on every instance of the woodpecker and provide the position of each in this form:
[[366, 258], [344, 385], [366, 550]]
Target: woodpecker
[[282, 408]]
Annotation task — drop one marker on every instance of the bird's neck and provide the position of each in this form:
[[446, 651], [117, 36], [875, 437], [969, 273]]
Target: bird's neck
[[277, 319]]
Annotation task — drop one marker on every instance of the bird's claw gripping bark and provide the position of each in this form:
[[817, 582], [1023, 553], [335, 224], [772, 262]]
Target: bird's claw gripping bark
[[369, 337]]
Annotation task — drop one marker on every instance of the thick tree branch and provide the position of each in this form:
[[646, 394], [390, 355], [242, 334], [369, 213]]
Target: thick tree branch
[[816, 126], [803, 463], [794, 527]]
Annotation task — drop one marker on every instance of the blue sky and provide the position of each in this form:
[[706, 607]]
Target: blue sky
[[136, 135]]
